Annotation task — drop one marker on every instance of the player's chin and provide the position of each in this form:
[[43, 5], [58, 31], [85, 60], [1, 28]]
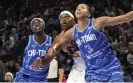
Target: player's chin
[[78, 16], [38, 32], [65, 27]]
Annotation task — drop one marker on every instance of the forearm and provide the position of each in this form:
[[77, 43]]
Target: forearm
[[47, 59], [58, 47], [49, 56], [60, 78], [52, 52], [61, 74]]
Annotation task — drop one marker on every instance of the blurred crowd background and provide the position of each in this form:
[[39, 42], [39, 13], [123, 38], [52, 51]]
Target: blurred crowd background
[[15, 16]]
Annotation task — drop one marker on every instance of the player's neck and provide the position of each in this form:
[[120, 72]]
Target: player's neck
[[82, 23], [67, 28], [40, 38]]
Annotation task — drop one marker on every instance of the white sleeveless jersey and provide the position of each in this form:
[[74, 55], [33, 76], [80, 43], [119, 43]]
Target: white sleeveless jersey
[[79, 63]]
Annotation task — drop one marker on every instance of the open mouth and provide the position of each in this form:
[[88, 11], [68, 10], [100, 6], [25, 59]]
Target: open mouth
[[37, 28], [78, 12], [64, 23]]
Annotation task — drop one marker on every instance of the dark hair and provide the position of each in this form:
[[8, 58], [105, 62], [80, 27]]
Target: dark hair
[[88, 9]]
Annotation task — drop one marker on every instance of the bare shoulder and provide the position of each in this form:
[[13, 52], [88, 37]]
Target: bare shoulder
[[59, 36], [68, 33]]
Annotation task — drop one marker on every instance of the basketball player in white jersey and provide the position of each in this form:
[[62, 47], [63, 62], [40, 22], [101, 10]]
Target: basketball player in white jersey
[[78, 70]]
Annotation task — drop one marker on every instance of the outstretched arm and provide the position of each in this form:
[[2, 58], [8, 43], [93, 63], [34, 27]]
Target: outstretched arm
[[111, 21], [57, 47]]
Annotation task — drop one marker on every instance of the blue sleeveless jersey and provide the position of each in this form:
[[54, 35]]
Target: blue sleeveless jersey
[[32, 51], [99, 58]]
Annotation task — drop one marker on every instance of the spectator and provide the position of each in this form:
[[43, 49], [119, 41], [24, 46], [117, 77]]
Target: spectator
[[14, 34], [3, 71], [9, 77], [126, 74], [9, 42], [17, 66], [130, 55], [11, 67]]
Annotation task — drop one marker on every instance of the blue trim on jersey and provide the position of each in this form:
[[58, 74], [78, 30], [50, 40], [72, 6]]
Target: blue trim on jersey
[[73, 31], [96, 28], [42, 43], [28, 42], [50, 42], [89, 23]]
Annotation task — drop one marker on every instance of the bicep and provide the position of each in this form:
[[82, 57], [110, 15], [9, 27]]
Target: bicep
[[111, 21], [115, 20]]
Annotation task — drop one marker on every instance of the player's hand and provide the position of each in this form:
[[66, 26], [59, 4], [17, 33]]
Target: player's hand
[[76, 54], [51, 52], [37, 63]]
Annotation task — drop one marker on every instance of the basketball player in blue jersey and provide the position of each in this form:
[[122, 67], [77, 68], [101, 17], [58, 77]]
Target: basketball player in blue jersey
[[33, 47], [101, 63]]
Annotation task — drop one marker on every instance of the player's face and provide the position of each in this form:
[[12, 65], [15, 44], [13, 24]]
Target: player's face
[[82, 11], [37, 26], [130, 48], [66, 21]]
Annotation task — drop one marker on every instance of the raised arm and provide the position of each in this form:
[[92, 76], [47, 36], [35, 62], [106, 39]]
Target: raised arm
[[111, 21]]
